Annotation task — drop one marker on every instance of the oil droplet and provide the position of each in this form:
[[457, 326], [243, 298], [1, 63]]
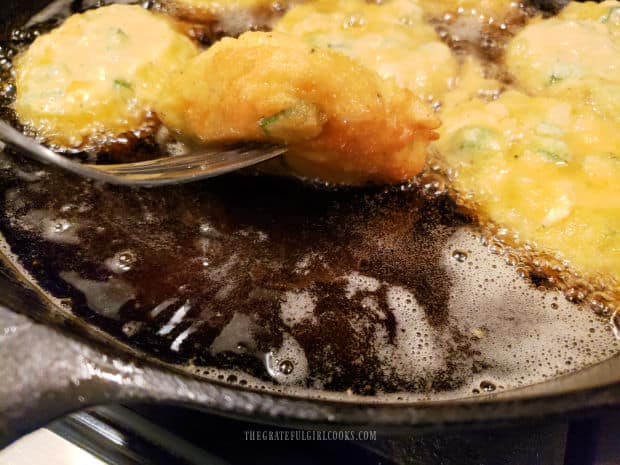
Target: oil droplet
[[121, 262], [286, 367], [511, 259], [522, 272], [487, 386], [575, 294], [459, 255], [127, 257], [495, 248], [599, 305], [61, 226], [131, 328], [54, 230], [432, 183]]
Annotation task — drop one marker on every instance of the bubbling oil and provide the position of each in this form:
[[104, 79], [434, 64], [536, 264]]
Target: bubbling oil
[[483, 36], [544, 270], [283, 286], [278, 285]]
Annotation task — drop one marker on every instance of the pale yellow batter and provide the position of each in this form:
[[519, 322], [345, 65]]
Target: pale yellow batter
[[98, 74], [544, 159], [390, 38]]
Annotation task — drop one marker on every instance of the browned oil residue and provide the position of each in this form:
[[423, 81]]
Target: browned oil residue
[[232, 246]]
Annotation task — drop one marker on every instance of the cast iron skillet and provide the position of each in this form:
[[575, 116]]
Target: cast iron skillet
[[53, 364]]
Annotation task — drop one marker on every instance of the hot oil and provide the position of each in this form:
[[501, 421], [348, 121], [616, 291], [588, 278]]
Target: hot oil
[[483, 35], [276, 284], [269, 280]]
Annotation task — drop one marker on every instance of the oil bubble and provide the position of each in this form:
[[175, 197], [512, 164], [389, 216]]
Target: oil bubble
[[575, 294], [286, 367], [460, 256], [487, 386], [121, 262], [432, 183]]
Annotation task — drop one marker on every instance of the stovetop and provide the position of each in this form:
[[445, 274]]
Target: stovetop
[[143, 434]]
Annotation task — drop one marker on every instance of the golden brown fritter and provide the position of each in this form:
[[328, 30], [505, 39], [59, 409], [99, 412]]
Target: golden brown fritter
[[342, 122]]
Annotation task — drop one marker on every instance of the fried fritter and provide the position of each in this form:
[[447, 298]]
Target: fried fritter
[[390, 38], [341, 121], [97, 75], [542, 158], [575, 55]]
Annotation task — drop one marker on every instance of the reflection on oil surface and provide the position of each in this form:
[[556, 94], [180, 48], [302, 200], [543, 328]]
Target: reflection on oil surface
[[263, 280]]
